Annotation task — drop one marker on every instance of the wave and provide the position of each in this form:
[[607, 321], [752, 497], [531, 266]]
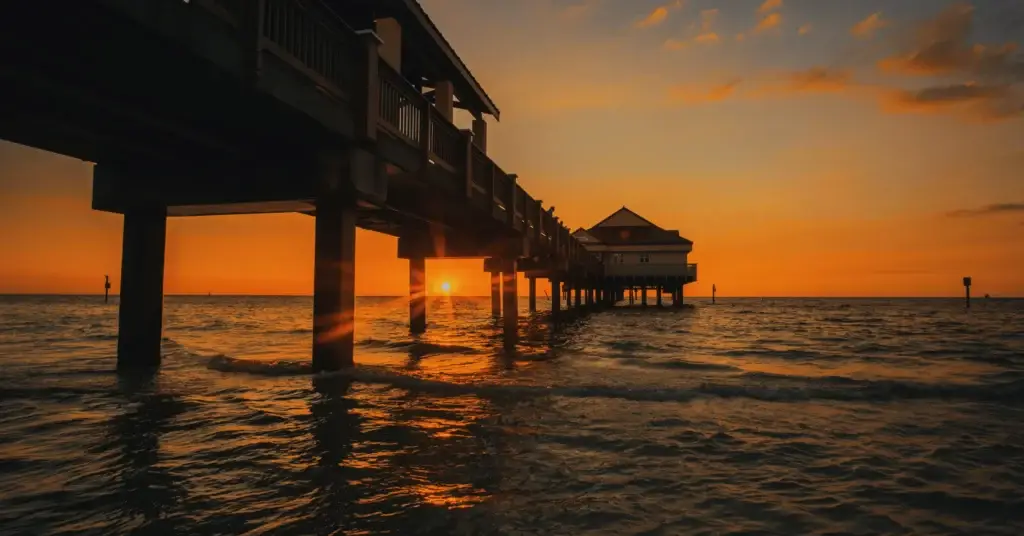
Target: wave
[[760, 386], [419, 348]]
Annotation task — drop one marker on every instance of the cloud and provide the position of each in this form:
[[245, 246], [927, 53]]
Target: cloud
[[674, 44], [977, 101], [769, 5], [658, 15], [988, 210], [771, 21], [820, 79], [578, 10], [690, 94], [940, 46], [805, 29], [707, 19], [867, 27], [709, 38]]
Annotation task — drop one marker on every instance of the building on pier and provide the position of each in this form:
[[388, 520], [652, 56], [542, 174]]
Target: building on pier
[[637, 254]]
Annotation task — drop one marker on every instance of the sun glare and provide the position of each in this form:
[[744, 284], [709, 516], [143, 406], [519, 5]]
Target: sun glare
[[446, 287]]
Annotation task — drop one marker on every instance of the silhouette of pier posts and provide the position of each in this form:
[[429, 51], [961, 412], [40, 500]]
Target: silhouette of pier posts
[[532, 283], [495, 294], [658, 290], [140, 317], [417, 295], [556, 298], [334, 296], [510, 303]]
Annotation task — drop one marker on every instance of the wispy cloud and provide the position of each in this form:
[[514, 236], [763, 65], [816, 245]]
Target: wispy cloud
[[988, 210], [675, 44], [707, 19], [695, 94], [658, 15], [773, 20], [805, 29], [941, 46], [867, 27], [769, 5], [820, 79], [578, 10], [709, 38]]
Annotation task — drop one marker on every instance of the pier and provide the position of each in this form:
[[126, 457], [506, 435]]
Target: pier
[[341, 110]]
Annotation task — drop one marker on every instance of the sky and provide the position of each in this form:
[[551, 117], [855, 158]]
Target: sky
[[806, 147]]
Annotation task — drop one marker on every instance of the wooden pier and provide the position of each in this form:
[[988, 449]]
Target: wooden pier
[[342, 110]]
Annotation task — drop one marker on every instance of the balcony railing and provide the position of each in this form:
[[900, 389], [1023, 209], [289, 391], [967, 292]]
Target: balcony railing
[[308, 36]]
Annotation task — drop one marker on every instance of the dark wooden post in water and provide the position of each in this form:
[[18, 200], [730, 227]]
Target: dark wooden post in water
[[417, 295], [577, 298], [643, 295], [682, 296], [510, 295], [714, 289], [106, 288], [556, 298], [334, 272], [658, 289], [533, 294], [496, 294], [967, 291], [140, 318]]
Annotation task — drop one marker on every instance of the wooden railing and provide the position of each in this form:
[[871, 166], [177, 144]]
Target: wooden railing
[[311, 39], [401, 106], [447, 143]]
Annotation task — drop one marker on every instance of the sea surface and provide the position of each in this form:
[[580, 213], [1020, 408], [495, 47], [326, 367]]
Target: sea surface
[[751, 416]]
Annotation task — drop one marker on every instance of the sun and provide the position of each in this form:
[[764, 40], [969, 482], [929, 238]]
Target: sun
[[446, 287]]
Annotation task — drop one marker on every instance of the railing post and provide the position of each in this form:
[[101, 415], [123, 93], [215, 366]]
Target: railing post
[[251, 37], [424, 135], [367, 87], [468, 165], [511, 205]]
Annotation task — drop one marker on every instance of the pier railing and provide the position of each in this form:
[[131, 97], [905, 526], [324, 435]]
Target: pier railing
[[316, 42], [402, 109]]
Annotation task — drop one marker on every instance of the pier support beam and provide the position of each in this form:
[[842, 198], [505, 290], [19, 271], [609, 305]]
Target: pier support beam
[[643, 295], [140, 318], [682, 299], [556, 298], [533, 294], [577, 297], [417, 295], [334, 278], [510, 295], [496, 294], [658, 289]]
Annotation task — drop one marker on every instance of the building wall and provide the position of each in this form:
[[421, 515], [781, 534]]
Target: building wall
[[659, 263]]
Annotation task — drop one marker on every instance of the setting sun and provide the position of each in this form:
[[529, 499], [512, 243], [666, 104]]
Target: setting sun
[[446, 287]]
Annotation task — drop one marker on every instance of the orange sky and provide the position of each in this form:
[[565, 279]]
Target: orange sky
[[807, 148]]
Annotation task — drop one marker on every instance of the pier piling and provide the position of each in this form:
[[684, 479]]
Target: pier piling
[[532, 282], [334, 284], [140, 317], [417, 295], [510, 295], [495, 294]]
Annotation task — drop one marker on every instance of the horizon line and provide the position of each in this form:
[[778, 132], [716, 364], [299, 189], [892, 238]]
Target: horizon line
[[230, 295]]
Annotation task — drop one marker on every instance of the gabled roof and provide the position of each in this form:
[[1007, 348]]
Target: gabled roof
[[421, 36], [624, 218], [637, 235], [625, 227]]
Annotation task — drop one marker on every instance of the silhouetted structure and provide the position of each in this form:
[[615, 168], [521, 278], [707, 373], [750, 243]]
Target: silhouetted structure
[[106, 288], [714, 289], [967, 291], [340, 109], [636, 253]]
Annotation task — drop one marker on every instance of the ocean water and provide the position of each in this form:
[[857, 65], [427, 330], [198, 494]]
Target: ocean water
[[747, 417]]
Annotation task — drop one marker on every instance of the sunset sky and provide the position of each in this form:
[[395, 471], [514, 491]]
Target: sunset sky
[[807, 147]]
